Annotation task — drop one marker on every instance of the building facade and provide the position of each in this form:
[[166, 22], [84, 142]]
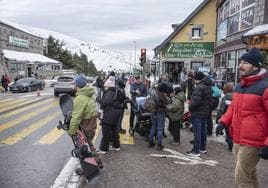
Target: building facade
[[234, 19], [21, 53], [191, 45]]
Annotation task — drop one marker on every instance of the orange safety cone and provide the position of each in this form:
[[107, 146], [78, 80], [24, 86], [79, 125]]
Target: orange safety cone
[[38, 92]]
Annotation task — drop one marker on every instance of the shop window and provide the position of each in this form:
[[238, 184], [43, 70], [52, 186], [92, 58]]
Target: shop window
[[195, 65], [196, 33]]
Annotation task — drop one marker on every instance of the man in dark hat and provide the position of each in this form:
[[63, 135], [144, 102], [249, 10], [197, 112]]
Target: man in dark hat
[[200, 104], [247, 118]]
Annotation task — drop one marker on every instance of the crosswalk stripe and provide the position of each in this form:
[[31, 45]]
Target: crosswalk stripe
[[29, 130], [6, 100], [25, 117], [20, 103], [24, 109], [126, 138], [13, 102], [51, 137]]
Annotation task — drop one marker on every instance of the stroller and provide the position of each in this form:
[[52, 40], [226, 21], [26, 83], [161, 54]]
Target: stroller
[[142, 117]]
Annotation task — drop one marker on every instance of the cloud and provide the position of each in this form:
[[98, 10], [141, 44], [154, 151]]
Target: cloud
[[105, 22]]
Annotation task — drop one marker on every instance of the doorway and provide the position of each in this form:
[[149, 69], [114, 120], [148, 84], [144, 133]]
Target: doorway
[[29, 69], [173, 70]]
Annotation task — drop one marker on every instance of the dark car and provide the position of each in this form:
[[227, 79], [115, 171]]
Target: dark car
[[27, 85]]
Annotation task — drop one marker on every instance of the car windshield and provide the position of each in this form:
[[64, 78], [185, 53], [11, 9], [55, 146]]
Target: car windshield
[[24, 80], [65, 79]]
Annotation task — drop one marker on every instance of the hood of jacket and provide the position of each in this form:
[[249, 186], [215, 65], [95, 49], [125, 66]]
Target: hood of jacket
[[180, 96], [86, 91], [249, 80]]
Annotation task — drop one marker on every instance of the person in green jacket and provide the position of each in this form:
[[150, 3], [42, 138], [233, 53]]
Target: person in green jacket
[[175, 112], [84, 114]]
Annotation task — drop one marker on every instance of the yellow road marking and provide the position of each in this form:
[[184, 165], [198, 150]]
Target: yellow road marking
[[13, 102], [6, 100], [97, 132], [29, 130], [8, 107], [25, 117], [51, 137], [126, 138], [23, 109]]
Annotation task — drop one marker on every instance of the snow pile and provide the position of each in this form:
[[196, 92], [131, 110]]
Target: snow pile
[[102, 58], [258, 30]]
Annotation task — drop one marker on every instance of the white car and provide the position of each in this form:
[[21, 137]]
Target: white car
[[64, 84]]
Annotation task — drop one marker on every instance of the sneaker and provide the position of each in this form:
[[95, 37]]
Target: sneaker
[[114, 149], [203, 151], [191, 154], [160, 147], [101, 152], [174, 143]]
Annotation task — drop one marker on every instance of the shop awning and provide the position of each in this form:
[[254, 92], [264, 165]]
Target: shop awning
[[258, 30], [28, 57]]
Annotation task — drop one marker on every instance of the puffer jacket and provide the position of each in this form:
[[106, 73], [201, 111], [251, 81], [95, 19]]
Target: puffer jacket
[[247, 116], [201, 99], [176, 108], [84, 108], [112, 105]]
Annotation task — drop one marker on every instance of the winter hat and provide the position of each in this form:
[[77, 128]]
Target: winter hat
[[110, 82], [253, 57], [80, 81], [199, 75]]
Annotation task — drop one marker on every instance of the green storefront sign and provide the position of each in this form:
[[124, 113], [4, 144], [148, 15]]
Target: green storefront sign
[[189, 50]]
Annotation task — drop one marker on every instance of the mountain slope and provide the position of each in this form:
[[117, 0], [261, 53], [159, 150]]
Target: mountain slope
[[102, 58]]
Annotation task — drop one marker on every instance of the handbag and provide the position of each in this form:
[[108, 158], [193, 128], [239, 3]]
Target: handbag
[[89, 125]]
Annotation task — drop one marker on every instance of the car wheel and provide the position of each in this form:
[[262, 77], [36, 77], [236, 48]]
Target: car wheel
[[29, 89]]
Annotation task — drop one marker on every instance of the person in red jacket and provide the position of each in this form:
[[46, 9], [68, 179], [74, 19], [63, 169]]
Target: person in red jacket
[[247, 118]]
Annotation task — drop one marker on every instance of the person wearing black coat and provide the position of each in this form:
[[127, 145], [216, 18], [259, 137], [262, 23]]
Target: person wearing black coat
[[200, 107], [111, 104]]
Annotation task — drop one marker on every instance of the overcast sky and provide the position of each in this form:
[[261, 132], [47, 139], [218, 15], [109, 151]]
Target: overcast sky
[[112, 24]]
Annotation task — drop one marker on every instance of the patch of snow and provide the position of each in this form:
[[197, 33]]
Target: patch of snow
[[258, 30]]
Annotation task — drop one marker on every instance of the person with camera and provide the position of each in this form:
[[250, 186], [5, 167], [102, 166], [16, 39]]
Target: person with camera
[[247, 118]]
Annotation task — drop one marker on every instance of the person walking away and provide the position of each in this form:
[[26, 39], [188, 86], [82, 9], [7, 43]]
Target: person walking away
[[121, 88], [175, 112], [216, 94], [112, 106], [137, 89], [224, 104], [84, 114], [158, 116], [199, 108], [4, 82], [247, 118], [190, 85], [183, 80]]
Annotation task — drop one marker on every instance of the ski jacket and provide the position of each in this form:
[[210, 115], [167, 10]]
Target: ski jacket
[[201, 99], [84, 108], [176, 108], [112, 106], [247, 115]]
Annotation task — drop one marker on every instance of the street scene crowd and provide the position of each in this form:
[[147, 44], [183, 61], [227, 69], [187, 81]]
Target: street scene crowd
[[241, 110]]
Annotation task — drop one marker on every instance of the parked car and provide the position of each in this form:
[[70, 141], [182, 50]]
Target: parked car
[[27, 85], [64, 84]]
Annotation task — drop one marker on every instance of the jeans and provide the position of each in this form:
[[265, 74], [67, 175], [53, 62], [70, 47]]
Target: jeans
[[158, 123], [200, 133]]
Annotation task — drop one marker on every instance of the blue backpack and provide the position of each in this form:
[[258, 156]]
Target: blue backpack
[[216, 92]]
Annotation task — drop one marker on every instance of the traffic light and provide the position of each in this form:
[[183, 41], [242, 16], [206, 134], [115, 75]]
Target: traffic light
[[143, 56]]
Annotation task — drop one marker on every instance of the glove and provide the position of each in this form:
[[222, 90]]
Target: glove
[[219, 129], [263, 153]]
